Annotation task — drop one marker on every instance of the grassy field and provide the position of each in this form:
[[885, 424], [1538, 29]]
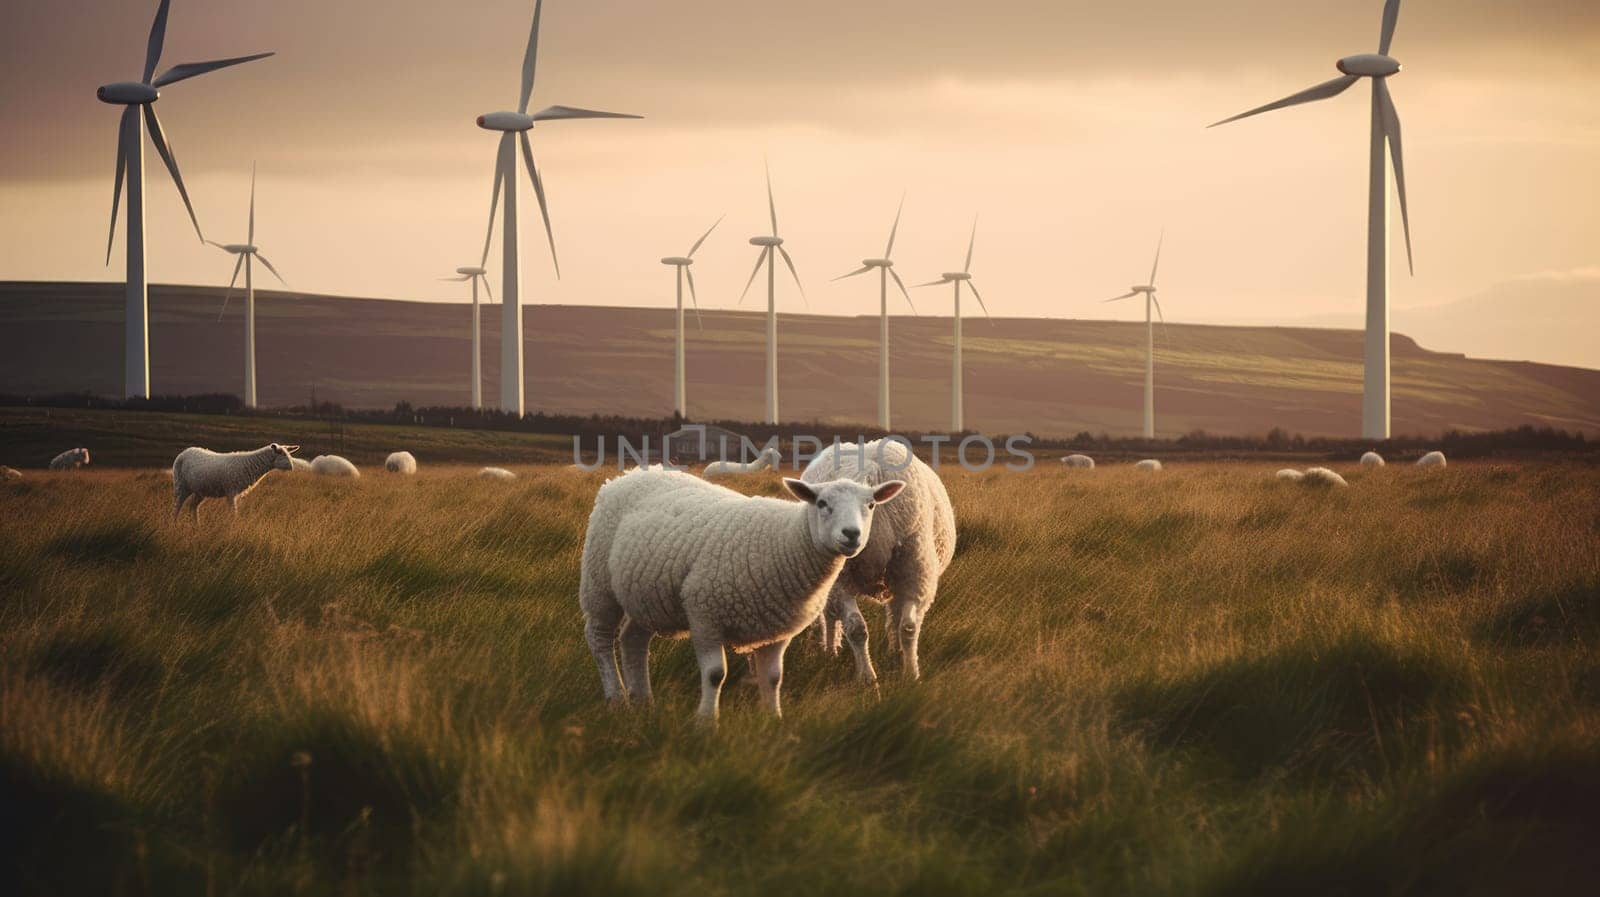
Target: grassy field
[[1201, 682]]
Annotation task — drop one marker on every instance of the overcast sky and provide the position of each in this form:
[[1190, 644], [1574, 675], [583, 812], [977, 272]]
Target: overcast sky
[[1076, 130]]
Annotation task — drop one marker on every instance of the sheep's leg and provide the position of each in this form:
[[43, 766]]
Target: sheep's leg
[[914, 584], [233, 502], [891, 625], [194, 509], [713, 670], [849, 618], [600, 630], [179, 498], [635, 644], [769, 673], [833, 625]]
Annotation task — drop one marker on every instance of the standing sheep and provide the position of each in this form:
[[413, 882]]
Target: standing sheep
[[1372, 459], [401, 462], [1148, 464], [1083, 461], [912, 543], [669, 554], [334, 466], [71, 459], [1432, 460], [201, 474], [768, 457]]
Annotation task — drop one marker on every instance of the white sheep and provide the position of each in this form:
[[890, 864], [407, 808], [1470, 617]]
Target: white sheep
[[1291, 475], [401, 462], [767, 457], [1432, 460], [9, 473], [912, 543], [201, 474], [1322, 476], [1083, 461], [496, 473], [1148, 464], [1372, 459], [334, 466], [71, 459], [669, 554], [301, 465]]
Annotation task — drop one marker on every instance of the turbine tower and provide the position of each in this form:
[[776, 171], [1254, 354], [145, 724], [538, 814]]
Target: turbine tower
[[475, 274], [134, 97], [684, 271], [1148, 290], [958, 421], [885, 266], [1379, 67], [772, 246], [514, 128], [248, 255]]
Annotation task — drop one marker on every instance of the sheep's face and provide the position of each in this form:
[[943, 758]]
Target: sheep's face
[[840, 511], [282, 456]]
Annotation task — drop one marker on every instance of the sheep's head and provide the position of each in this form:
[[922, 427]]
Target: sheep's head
[[282, 456], [840, 511], [83, 456]]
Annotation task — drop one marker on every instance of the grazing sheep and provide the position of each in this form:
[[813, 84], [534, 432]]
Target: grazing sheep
[[912, 543], [496, 473], [1148, 464], [1322, 476], [71, 459], [200, 474], [1083, 461], [768, 457], [1291, 475], [334, 466], [669, 554], [401, 462], [1372, 459], [9, 473], [1432, 460], [301, 465]]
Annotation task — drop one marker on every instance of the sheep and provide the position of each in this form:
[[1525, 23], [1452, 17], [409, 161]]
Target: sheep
[[496, 473], [1083, 461], [71, 459], [1322, 476], [201, 474], [1432, 460], [912, 543], [1291, 475], [401, 462], [767, 457], [9, 473], [334, 466], [669, 554], [1372, 459], [301, 465], [1148, 464]]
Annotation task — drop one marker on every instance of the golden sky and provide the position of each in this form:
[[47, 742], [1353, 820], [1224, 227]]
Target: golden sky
[[1076, 130]]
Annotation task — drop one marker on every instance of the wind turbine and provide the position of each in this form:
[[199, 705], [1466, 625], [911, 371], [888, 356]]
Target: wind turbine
[[1148, 290], [684, 271], [964, 276], [514, 128], [885, 266], [248, 254], [1385, 126], [772, 246], [475, 274], [135, 96]]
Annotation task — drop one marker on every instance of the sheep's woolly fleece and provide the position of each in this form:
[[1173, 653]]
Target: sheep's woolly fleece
[[768, 457], [201, 473], [301, 465], [496, 473], [1431, 459], [1372, 459], [401, 462], [9, 473], [1322, 476], [333, 466], [1083, 461], [1290, 475], [71, 459], [1148, 464]]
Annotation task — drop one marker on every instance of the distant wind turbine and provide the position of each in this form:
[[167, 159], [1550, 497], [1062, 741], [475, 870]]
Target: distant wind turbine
[[475, 274], [514, 127], [684, 271], [772, 246], [248, 254], [134, 96], [885, 266], [1385, 126], [964, 276], [1148, 290]]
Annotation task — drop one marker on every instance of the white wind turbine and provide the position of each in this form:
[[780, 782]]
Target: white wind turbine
[[514, 127], [772, 246], [135, 96], [475, 274], [1148, 290], [683, 263], [964, 276], [885, 266], [248, 254], [1385, 126]]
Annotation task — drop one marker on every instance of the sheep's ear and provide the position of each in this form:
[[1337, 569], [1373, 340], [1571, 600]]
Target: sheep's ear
[[275, 447], [800, 490], [290, 449], [888, 491]]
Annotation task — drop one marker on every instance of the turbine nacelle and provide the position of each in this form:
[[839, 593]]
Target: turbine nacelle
[[877, 263], [240, 248], [1143, 289], [680, 261], [506, 121], [471, 272], [766, 241], [127, 93], [1369, 65], [956, 275]]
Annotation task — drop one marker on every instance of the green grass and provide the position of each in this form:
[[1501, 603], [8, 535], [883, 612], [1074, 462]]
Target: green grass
[[1201, 682]]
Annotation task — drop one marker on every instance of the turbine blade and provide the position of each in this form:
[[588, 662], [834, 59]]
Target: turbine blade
[[530, 59], [486, 289], [1322, 91], [462, 279], [1157, 265], [558, 113], [771, 203], [494, 196], [931, 283], [888, 252], [696, 247], [795, 274], [229, 294], [1391, 129], [861, 270], [218, 245], [694, 298], [538, 191], [263, 260], [904, 292], [1391, 17], [1122, 297], [252, 238], [979, 296], [122, 168], [194, 69], [970, 244], [158, 37], [160, 140], [1165, 340], [760, 260]]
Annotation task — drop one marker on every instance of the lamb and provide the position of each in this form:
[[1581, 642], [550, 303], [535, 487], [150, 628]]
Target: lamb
[[334, 466], [669, 554], [201, 474], [1291, 475], [1372, 459], [496, 473], [401, 462], [1148, 464], [1432, 460], [71, 459], [912, 543], [1083, 461], [767, 457], [1322, 476]]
